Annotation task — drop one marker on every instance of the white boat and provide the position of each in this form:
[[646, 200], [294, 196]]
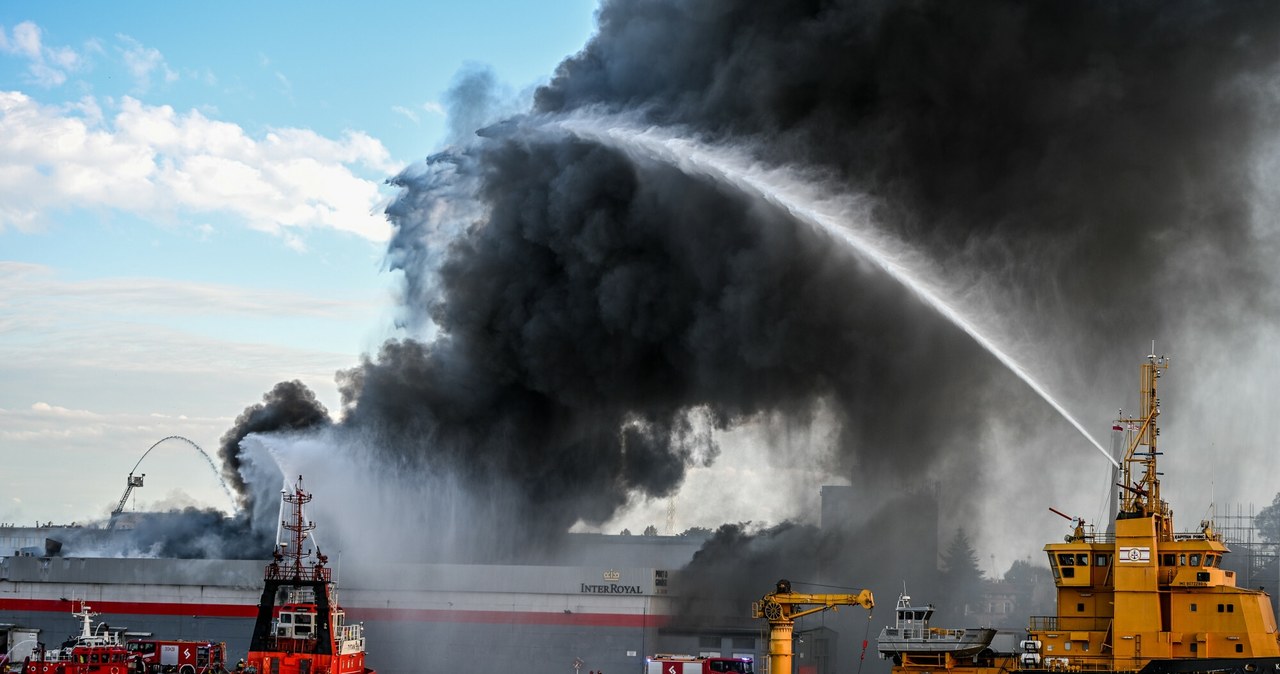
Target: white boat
[[911, 635]]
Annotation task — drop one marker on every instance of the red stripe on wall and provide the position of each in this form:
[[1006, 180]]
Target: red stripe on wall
[[387, 614], [509, 617], [131, 608]]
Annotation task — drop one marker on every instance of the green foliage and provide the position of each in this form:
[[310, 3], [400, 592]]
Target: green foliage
[[1267, 521], [961, 576], [1022, 571], [960, 561]]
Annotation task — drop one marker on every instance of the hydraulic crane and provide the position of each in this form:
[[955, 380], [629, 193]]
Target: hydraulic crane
[[782, 607]]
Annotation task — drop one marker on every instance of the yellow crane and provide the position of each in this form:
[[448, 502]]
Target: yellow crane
[[783, 607]]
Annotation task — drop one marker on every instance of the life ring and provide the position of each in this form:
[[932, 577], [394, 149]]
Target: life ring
[[115, 670]]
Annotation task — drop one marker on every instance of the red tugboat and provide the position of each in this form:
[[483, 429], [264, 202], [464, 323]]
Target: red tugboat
[[96, 650], [300, 627]]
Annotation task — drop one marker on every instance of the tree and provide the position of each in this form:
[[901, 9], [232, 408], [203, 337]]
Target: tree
[[1267, 521], [651, 530], [1032, 586], [961, 576]]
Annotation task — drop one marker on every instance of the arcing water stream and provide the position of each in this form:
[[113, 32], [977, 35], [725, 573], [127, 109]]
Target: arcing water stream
[[804, 202]]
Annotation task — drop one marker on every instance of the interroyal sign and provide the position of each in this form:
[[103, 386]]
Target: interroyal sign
[[614, 587]]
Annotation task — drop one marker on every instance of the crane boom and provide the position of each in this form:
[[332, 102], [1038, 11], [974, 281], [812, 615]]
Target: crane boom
[[783, 607]]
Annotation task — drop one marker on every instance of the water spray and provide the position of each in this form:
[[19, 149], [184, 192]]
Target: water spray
[[803, 201]]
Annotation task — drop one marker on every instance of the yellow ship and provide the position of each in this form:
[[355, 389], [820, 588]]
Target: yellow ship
[[1145, 599]]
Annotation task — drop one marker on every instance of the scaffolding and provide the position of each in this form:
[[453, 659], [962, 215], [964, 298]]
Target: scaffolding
[[1252, 558]]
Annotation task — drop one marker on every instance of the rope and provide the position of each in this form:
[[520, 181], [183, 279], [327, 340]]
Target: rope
[[865, 636]]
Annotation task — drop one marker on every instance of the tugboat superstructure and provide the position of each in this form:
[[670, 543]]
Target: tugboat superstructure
[[300, 628], [1144, 598], [1147, 598]]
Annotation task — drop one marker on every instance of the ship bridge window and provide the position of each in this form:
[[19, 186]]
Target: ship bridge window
[[1182, 559], [1101, 560], [1082, 559], [286, 618], [1168, 559], [1066, 559], [1195, 559], [304, 619]]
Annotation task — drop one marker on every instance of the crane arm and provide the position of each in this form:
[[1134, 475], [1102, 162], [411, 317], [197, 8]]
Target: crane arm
[[791, 603], [782, 607]]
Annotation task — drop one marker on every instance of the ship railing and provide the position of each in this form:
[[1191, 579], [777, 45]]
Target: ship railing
[[1042, 623], [924, 632], [280, 572], [350, 632], [1050, 623], [1091, 663]]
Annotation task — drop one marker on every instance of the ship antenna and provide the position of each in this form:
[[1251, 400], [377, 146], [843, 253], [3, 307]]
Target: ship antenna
[[297, 526], [1142, 497]]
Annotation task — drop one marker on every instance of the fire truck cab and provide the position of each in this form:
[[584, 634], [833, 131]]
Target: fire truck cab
[[160, 656], [665, 663]]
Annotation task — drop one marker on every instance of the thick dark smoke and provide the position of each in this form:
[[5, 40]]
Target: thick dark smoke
[[1058, 141], [289, 406], [594, 333], [738, 565], [596, 317]]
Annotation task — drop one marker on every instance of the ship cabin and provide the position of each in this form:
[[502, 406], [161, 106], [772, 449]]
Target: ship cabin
[[1144, 593], [296, 621]]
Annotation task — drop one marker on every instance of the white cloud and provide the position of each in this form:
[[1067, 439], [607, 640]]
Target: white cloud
[[431, 107], [48, 66], [156, 162], [406, 112], [26, 40], [144, 62], [31, 290]]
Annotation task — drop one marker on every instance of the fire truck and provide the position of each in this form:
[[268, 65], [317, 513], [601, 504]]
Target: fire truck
[[160, 656], [666, 663]]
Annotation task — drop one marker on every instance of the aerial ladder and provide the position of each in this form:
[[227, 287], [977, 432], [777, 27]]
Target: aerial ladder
[[130, 484], [783, 607]]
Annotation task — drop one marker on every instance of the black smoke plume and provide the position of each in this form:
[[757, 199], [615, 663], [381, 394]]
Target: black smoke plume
[[1086, 163], [289, 406], [585, 323]]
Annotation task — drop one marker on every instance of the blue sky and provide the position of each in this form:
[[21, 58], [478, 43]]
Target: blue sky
[[190, 212]]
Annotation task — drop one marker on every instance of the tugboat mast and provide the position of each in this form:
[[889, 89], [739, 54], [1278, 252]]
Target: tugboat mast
[[298, 529], [1141, 498]]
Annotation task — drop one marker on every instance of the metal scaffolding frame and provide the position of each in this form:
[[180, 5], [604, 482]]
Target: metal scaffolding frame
[[1253, 559]]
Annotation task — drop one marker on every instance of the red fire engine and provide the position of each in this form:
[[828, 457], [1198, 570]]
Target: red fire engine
[[182, 657], [665, 663]]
